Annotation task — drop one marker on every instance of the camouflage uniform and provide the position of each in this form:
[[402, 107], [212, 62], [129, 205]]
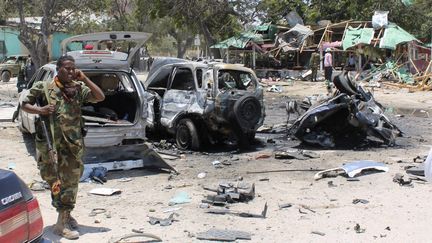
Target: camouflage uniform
[[314, 64], [67, 139]]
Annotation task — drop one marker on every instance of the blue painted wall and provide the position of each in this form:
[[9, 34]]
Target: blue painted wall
[[57, 38], [15, 47], [12, 44]]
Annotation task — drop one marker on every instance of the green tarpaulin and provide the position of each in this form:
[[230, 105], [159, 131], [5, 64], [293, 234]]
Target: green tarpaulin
[[394, 35], [355, 36], [239, 41]]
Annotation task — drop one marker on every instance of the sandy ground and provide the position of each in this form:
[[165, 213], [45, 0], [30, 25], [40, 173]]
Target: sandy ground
[[393, 214]]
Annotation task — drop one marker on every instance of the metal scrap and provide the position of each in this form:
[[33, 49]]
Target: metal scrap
[[224, 235], [399, 178], [163, 222], [238, 213], [230, 193]]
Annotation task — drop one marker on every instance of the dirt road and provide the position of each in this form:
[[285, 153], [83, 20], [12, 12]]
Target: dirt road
[[393, 213]]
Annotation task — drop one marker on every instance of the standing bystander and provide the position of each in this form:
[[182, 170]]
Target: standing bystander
[[328, 68], [59, 105], [314, 64]]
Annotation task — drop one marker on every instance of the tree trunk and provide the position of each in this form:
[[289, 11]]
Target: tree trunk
[[181, 49], [210, 40]]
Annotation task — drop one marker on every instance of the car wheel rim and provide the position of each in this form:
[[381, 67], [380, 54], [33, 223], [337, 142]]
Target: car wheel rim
[[183, 136]]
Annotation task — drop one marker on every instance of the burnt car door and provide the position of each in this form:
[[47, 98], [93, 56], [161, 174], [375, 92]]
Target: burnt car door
[[179, 97]]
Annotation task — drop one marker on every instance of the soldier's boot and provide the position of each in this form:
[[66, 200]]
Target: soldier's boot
[[63, 228], [72, 222]]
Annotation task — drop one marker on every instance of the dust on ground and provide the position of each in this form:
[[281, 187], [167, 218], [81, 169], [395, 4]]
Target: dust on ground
[[393, 214]]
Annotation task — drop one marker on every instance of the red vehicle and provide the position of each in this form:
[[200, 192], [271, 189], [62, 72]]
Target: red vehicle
[[20, 216]]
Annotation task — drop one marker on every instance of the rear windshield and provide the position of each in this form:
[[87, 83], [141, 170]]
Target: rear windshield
[[112, 82], [235, 79]]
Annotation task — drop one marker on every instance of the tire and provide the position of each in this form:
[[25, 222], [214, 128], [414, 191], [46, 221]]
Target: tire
[[6, 75], [247, 112], [187, 135], [344, 84]]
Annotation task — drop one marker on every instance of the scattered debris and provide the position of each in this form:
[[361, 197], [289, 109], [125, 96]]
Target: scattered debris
[[295, 154], [318, 233], [388, 228], [97, 174], [229, 192], [202, 175], [125, 179], [416, 170], [283, 170], [275, 89], [134, 235], [399, 178], [179, 198], [307, 208], [357, 200], [240, 214], [264, 179], [169, 210], [97, 211], [285, 205], [352, 169], [224, 235], [11, 166], [163, 222], [358, 229], [330, 184], [39, 186], [105, 191], [263, 156]]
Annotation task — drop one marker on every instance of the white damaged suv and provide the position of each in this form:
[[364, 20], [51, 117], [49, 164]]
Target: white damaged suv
[[116, 126]]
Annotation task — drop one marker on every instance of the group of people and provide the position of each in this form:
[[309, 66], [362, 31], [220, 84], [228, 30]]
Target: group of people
[[328, 66]]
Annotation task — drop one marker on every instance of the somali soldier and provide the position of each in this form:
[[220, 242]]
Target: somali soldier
[[314, 65], [59, 105]]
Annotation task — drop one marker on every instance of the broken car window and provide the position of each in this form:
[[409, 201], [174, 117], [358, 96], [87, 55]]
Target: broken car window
[[183, 79], [161, 79], [234, 79]]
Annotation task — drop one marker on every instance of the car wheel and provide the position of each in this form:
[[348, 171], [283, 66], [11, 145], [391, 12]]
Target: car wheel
[[6, 75], [247, 111], [187, 135]]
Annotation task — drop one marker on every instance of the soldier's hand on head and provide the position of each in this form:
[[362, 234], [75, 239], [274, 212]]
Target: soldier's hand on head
[[79, 75], [47, 110]]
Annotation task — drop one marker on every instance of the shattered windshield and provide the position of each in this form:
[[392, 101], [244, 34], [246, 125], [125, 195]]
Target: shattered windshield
[[235, 79]]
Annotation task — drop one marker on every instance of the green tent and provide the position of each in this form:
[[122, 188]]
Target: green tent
[[355, 36], [394, 35], [239, 42]]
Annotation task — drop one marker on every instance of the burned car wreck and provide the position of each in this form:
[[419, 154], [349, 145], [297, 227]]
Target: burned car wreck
[[200, 103], [348, 117]]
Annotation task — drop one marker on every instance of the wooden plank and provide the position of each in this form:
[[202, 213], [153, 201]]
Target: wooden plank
[[378, 37], [346, 26], [322, 37]]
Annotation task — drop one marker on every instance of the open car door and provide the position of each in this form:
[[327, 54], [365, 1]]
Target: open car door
[[138, 37]]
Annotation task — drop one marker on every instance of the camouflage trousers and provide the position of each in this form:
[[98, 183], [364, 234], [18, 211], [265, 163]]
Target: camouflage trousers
[[62, 176], [314, 74]]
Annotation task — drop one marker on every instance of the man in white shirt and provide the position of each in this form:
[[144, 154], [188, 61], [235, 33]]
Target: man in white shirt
[[328, 67]]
